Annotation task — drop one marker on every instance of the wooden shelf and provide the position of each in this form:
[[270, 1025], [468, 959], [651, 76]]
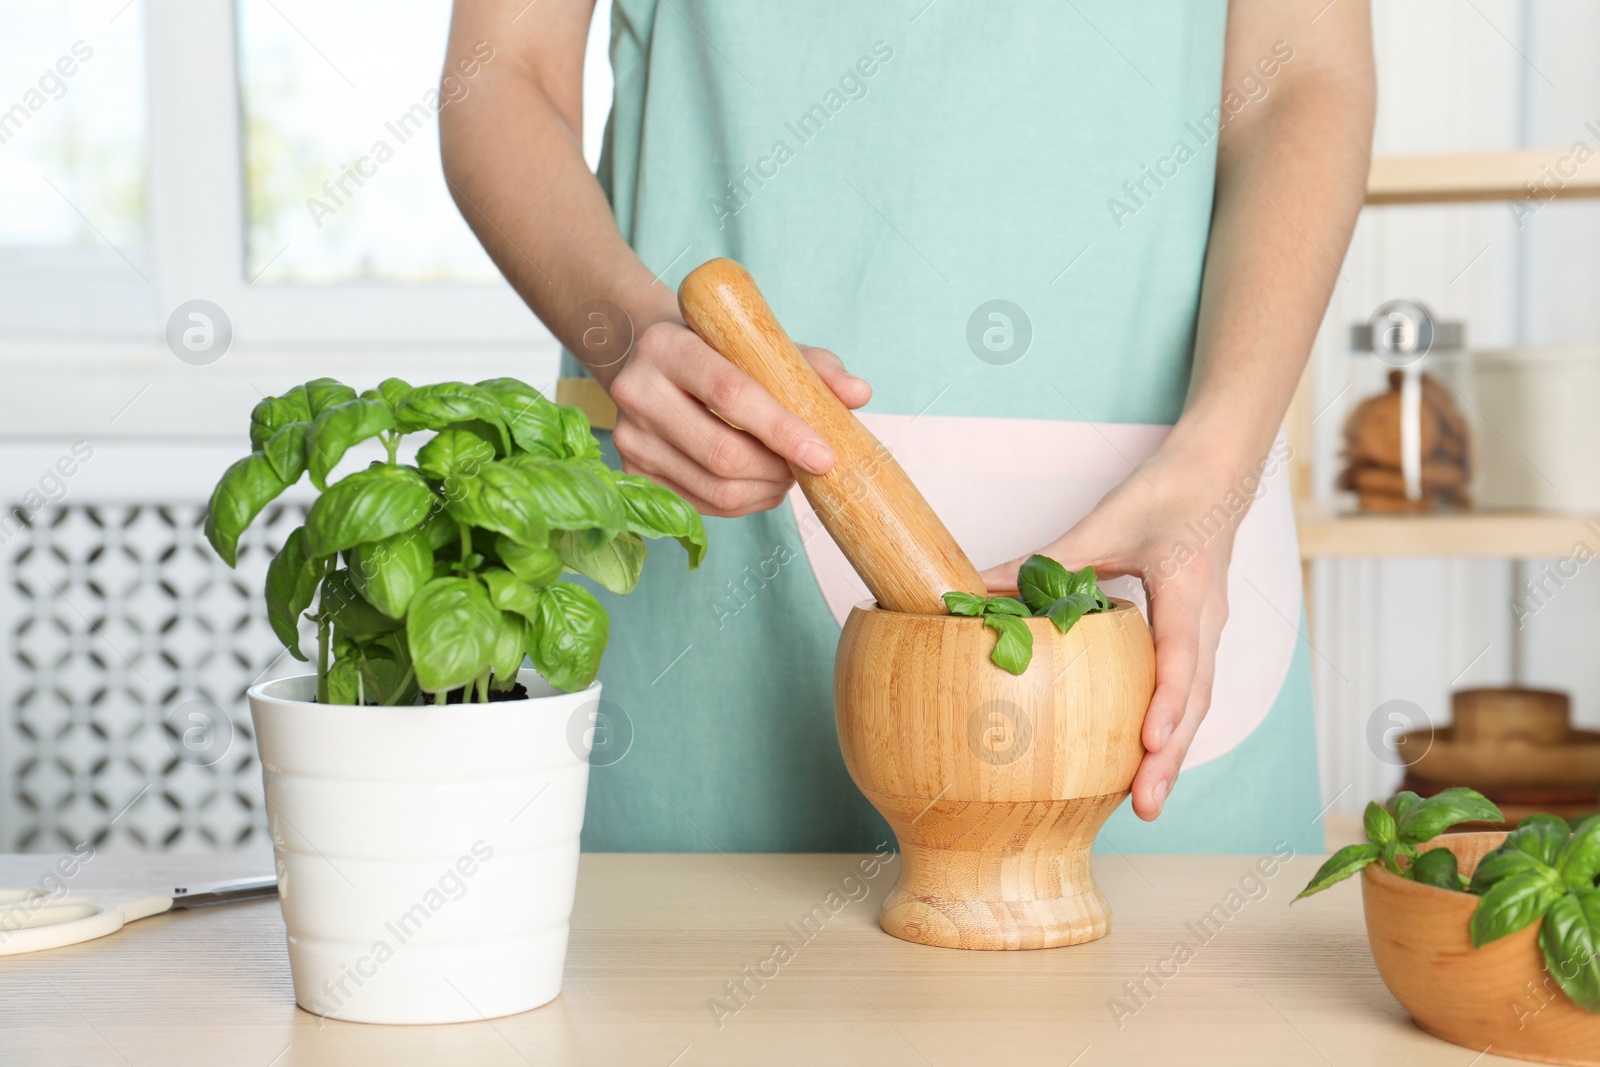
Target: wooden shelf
[[1479, 176], [1325, 534]]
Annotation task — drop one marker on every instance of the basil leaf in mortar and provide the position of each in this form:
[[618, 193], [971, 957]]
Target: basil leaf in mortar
[[1066, 612], [1041, 581], [1005, 605], [964, 603], [1014, 650]]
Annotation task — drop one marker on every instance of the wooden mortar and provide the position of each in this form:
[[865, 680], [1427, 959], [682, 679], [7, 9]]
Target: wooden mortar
[[995, 784]]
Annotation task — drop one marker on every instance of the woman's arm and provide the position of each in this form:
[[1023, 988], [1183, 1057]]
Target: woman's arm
[[513, 157], [1291, 176]]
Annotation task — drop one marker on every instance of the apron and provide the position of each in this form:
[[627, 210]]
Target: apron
[[998, 216]]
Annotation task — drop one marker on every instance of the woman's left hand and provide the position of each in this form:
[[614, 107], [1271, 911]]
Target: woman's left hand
[[1159, 525]]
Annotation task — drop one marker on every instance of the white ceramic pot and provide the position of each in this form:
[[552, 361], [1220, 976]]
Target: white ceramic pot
[[426, 856]]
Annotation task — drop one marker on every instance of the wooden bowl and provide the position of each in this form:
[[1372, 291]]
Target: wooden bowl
[[994, 783], [1498, 995]]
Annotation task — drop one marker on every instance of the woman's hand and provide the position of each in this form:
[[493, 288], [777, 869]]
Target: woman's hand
[[697, 424], [1147, 527]]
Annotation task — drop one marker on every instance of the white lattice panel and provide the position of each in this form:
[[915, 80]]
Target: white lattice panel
[[120, 626]]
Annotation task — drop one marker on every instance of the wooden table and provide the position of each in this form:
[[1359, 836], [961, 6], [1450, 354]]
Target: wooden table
[[656, 939]]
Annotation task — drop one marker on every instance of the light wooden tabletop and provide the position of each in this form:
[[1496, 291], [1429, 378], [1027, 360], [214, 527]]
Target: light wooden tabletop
[[656, 939]]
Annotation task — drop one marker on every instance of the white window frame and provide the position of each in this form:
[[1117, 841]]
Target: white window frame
[[196, 210]]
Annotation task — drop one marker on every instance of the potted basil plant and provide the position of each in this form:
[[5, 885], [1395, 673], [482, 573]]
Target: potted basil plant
[[424, 787]]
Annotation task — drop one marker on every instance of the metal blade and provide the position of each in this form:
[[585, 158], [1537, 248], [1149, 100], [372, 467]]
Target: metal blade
[[201, 895]]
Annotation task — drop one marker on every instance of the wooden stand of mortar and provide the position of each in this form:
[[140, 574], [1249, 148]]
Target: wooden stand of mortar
[[995, 784]]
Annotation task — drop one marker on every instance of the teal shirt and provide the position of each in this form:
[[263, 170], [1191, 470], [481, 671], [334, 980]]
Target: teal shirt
[[884, 170]]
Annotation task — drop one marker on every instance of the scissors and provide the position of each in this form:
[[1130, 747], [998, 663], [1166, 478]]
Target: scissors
[[34, 919]]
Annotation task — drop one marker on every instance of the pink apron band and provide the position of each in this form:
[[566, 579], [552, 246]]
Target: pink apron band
[[1006, 487]]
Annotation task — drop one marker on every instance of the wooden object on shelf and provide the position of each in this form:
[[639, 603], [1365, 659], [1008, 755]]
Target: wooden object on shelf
[[995, 784], [1470, 996], [1479, 176], [1510, 714], [877, 516], [1516, 746]]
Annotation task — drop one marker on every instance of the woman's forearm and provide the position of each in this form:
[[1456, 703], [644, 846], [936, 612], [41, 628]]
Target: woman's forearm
[[1291, 177], [513, 157]]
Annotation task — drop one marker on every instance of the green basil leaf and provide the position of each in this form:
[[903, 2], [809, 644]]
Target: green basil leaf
[[1041, 581], [1013, 651], [386, 661], [1379, 824], [1570, 939], [1401, 803], [569, 637], [323, 393], [438, 407], [1390, 854], [1543, 837], [499, 498], [354, 619], [286, 451], [344, 677], [275, 412], [577, 438], [1066, 612], [440, 528], [1513, 903], [1503, 863], [510, 646], [1085, 582], [510, 593], [1005, 605], [570, 495], [388, 573], [534, 422], [1341, 865], [1436, 867], [393, 391], [1579, 863], [614, 563], [1428, 818], [291, 586], [450, 628], [338, 427], [369, 505], [536, 566], [458, 452], [964, 603], [653, 510], [244, 489]]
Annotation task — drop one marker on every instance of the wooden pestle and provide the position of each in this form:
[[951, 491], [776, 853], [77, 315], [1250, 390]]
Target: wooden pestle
[[876, 515]]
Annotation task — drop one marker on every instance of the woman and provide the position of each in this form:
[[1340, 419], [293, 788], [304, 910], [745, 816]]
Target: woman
[[1080, 252]]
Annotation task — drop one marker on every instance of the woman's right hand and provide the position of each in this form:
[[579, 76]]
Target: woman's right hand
[[692, 421]]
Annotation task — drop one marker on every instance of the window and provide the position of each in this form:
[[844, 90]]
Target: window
[[185, 157], [341, 144], [72, 162]]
